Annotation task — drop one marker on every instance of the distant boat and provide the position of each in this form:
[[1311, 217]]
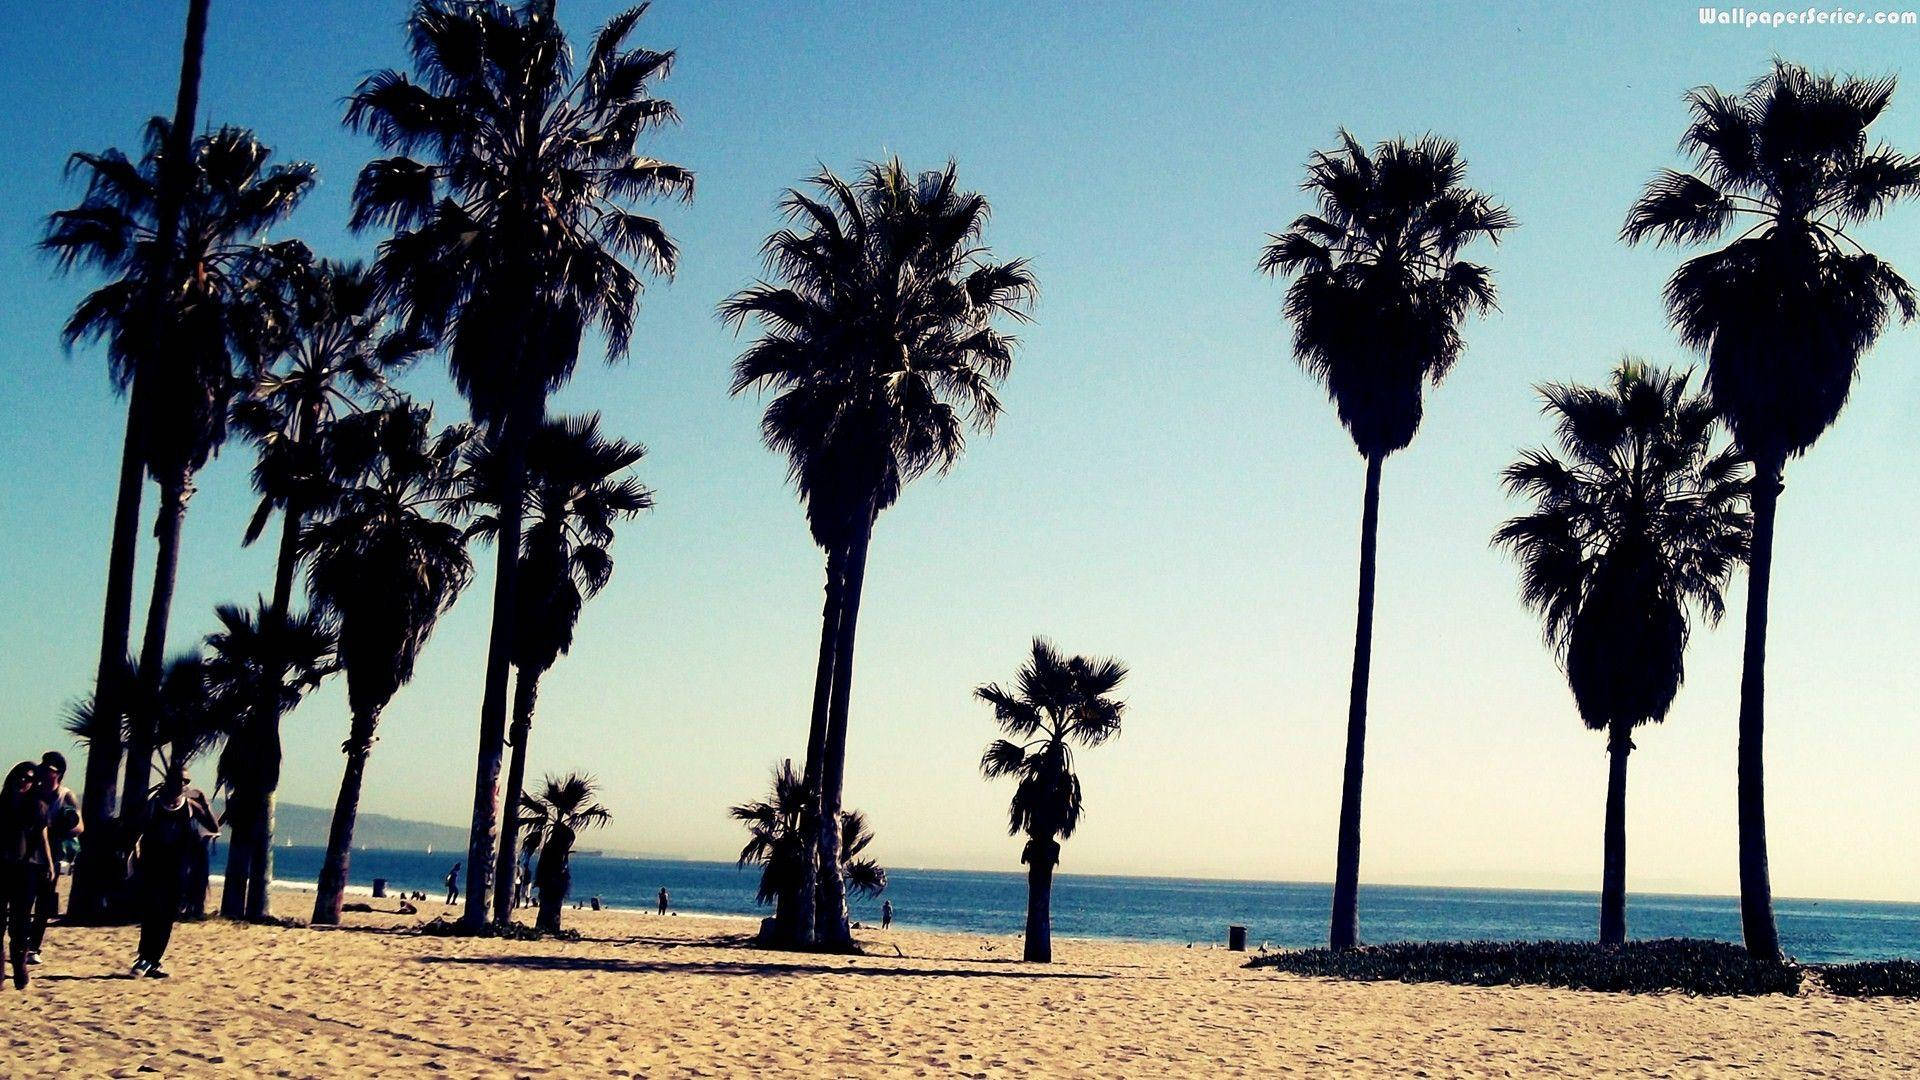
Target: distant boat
[[592, 854]]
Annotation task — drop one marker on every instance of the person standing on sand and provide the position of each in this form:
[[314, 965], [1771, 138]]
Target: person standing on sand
[[64, 827], [178, 824], [453, 885], [886, 914], [26, 858], [663, 899]]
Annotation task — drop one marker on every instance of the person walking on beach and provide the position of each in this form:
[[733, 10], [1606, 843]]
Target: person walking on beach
[[64, 827], [886, 914], [178, 825], [453, 885], [663, 899], [26, 858]]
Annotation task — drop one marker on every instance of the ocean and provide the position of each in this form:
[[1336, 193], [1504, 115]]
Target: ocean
[[1277, 914]]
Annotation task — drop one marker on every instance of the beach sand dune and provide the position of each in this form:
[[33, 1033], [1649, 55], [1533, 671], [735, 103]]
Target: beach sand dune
[[684, 997]]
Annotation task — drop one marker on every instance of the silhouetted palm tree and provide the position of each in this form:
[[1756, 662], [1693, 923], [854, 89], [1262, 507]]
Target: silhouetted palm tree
[[574, 497], [1642, 523], [257, 669], [1056, 701], [782, 843], [882, 347], [1376, 302], [181, 363], [554, 820], [99, 861], [385, 566], [331, 347], [509, 205], [1783, 314]]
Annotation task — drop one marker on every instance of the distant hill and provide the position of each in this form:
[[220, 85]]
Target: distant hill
[[306, 826]]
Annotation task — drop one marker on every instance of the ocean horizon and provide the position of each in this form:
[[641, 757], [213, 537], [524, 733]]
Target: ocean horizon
[[1186, 910]]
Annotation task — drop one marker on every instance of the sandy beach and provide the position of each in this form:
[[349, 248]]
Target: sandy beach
[[685, 996]]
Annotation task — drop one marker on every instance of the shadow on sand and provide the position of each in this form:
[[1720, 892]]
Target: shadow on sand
[[663, 967]]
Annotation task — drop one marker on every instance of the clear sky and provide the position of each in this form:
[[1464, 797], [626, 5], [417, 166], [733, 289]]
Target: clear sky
[[1166, 487]]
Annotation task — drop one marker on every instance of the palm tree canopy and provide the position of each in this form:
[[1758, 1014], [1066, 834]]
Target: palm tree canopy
[[778, 841], [510, 190], [1640, 522], [214, 305], [565, 803], [880, 339], [576, 494], [383, 562], [1784, 311], [258, 668], [1056, 702], [1379, 290], [331, 348]]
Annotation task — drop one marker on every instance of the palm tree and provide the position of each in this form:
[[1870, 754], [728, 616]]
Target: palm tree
[[1783, 314], [574, 497], [1641, 524], [258, 668], [331, 348], [555, 818], [781, 842], [882, 347], [1056, 701], [385, 566], [181, 363], [101, 799], [509, 198], [1377, 298]]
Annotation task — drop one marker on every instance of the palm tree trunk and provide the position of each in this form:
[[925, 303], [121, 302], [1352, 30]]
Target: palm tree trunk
[[346, 809], [483, 834], [526, 691], [553, 897], [1613, 873], [804, 898], [174, 493], [1042, 855], [830, 919], [1346, 875], [260, 867], [239, 873], [1756, 887]]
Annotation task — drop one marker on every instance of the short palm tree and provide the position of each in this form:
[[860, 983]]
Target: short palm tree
[[164, 192], [882, 347], [1638, 526], [177, 353], [384, 565], [1377, 298], [1056, 702], [575, 495], [330, 350], [510, 197], [781, 842], [553, 820], [1783, 313], [259, 665]]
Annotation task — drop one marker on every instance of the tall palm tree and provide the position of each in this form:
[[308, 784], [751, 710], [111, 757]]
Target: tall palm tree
[[1641, 524], [554, 820], [1055, 702], [1377, 298], [331, 348], [781, 842], [258, 667], [881, 345], [509, 198], [385, 566], [180, 364], [575, 495], [1783, 314], [101, 798]]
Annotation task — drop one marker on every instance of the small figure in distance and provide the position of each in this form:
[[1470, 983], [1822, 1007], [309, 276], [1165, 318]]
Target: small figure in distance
[[663, 899], [886, 914], [453, 885]]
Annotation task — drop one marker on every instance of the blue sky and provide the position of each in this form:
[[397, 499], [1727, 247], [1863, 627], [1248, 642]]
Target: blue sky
[[1166, 486]]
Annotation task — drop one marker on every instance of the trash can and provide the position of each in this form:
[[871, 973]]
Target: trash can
[[379, 887], [1237, 938]]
